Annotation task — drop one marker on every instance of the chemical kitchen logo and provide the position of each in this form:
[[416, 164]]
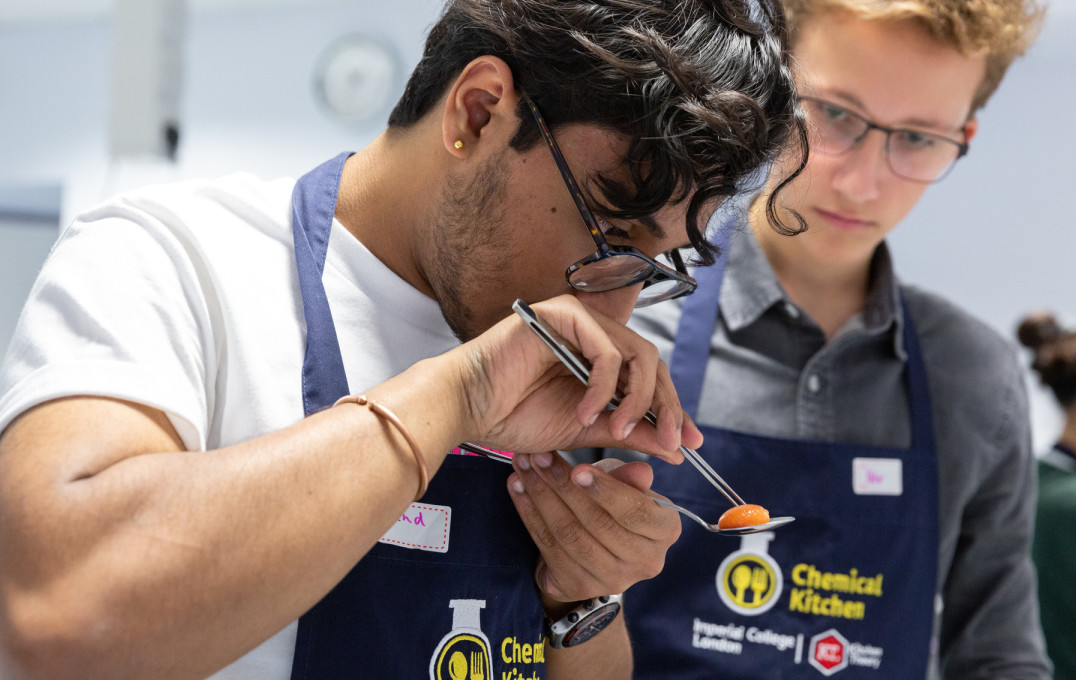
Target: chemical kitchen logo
[[749, 581]]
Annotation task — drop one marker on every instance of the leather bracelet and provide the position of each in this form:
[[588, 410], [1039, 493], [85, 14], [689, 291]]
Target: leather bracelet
[[380, 410]]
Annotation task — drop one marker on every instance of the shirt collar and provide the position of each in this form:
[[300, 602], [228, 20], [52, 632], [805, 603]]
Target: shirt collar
[[751, 288], [883, 312]]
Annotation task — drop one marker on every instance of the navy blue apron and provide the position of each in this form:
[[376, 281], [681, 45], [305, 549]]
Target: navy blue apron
[[847, 589], [470, 613]]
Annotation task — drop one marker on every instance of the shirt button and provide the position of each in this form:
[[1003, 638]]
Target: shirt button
[[792, 311], [814, 383]]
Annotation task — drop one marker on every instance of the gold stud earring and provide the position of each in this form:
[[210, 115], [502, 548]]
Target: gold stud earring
[[459, 144]]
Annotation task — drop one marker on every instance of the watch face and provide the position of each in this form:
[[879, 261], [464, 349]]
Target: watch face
[[591, 624]]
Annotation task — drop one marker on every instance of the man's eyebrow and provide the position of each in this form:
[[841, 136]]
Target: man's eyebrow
[[600, 208], [647, 221], [650, 223]]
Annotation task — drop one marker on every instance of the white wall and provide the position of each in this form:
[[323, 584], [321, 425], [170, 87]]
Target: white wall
[[996, 236], [247, 93], [248, 105], [23, 247]]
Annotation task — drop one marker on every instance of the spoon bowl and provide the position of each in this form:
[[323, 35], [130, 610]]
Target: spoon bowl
[[732, 531]]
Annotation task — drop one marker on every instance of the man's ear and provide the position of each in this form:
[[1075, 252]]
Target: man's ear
[[970, 128], [481, 103]]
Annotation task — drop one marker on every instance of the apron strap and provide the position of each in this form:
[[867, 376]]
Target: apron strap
[[698, 318], [313, 205], [919, 404]]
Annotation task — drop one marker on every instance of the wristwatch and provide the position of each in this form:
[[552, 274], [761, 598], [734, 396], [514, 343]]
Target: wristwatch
[[584, 622]]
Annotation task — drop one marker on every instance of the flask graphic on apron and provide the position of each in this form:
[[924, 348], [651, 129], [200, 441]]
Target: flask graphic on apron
[[749, 581], [464, 653]]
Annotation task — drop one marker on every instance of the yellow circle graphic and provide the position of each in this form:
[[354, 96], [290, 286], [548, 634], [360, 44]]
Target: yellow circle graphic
[[749, 581], [463, 658]]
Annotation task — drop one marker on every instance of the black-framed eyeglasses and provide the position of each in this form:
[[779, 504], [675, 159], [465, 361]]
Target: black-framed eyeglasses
[[610, 266], [911, 154]]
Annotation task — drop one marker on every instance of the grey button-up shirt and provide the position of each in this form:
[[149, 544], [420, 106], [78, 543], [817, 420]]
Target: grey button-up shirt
[[771, 372]]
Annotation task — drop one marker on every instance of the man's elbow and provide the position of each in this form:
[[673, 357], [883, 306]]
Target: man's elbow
[[43, 639]]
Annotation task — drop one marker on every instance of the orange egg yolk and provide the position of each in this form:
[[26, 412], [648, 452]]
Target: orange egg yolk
[[740, 516]]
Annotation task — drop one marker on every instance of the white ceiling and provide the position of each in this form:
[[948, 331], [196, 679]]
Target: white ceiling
[[19, 11], [23, 11]]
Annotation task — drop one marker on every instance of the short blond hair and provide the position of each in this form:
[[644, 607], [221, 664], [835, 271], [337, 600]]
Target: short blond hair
[[1000, 29]]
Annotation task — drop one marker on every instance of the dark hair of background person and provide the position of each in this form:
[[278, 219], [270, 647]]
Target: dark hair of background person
[[1054, 349], [702, 89]]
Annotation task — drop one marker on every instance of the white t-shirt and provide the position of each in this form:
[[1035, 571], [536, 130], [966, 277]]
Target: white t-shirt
[[185, 297]]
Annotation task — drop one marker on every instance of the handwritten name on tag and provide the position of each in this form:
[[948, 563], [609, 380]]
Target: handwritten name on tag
[[877, 476], [421, 527]]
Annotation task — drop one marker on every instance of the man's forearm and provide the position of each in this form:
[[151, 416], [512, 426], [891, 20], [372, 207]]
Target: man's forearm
[[135, 559]]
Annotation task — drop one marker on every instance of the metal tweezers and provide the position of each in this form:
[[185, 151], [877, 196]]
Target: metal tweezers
[[581, 370]]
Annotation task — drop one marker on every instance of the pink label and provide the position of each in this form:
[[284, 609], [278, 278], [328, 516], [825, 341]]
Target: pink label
[[877, 476], [421, 527]]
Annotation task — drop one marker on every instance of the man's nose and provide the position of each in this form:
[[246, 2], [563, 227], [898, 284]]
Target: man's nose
[[863, 167]]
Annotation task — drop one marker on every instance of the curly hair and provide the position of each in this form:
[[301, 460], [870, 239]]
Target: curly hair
[[702, 89], [1000, 29], [1054, 350]]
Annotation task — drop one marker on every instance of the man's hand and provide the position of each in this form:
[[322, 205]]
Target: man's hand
[[521, 398], [596, 526]]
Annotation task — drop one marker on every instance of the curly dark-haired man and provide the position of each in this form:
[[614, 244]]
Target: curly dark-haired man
[[178, 499]]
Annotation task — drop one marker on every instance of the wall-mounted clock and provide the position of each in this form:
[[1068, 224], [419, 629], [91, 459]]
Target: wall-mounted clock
[[355, 78]]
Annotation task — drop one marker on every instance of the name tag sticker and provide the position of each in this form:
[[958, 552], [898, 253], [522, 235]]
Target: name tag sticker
[[421, 527], [877, 476]]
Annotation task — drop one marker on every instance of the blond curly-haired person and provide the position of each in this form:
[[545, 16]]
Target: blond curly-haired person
[[890, 423]]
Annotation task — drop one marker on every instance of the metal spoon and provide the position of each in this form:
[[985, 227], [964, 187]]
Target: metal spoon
[[471, 447], [737, 531]]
